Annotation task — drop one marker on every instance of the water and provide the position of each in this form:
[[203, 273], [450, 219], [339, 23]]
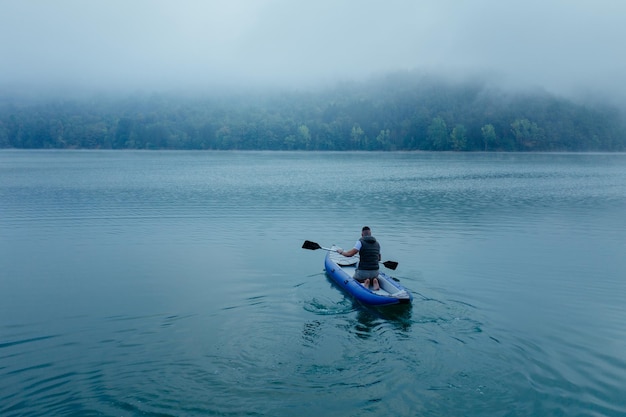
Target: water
[[173, 283]]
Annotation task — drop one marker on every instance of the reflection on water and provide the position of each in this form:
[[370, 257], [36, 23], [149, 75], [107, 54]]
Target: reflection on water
[[173, 283], [369, 319]]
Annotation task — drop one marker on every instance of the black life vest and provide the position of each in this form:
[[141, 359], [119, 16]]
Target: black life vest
[[369, 253]]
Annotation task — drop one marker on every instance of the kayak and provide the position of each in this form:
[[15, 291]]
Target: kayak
[[341, 270]]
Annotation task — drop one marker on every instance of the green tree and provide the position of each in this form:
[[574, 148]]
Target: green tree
[[123, 132], [383, 140], [458, 138], [304, 137], [356, 136], [289, 142], [526, 133], [438, 134], [489, 136]]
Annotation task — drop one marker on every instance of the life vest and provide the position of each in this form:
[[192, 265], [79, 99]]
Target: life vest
[[369, 253]]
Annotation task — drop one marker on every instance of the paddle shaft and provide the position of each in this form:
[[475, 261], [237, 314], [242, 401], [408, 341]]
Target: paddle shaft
[[313, 246]]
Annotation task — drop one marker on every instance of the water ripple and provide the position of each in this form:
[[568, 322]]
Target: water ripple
[[161, 284]]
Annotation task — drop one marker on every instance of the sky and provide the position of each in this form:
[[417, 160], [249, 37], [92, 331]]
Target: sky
[[563, 46]]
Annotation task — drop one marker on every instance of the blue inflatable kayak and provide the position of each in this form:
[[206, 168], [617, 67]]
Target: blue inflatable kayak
[[341, 270]]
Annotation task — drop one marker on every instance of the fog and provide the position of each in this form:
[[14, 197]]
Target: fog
[[569, 47]]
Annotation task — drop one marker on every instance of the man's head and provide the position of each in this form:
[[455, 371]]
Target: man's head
[[366, 231]]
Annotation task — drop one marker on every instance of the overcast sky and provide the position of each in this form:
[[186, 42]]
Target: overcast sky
[[561, 45]]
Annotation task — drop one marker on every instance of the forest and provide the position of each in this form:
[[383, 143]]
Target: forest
[[396, 112]]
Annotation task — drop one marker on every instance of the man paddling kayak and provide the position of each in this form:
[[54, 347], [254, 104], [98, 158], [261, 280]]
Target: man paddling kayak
[[369, 256]]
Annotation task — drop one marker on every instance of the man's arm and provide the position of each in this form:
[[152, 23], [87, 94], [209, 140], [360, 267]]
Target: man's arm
[[348, 253]]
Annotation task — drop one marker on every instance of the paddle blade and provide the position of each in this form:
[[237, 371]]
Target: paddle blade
[[391, 265], [310, 245]]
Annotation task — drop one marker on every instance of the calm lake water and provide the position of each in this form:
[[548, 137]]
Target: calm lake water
[[174, 284]]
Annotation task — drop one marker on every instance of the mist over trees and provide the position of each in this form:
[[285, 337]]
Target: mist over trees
[[395, 112]]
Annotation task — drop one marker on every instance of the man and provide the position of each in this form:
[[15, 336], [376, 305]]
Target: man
[[369, 256]]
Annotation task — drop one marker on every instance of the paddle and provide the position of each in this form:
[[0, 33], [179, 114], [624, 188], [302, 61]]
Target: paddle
[[314, 246]]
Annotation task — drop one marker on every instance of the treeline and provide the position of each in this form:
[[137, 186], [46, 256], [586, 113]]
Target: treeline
[[397, 112]]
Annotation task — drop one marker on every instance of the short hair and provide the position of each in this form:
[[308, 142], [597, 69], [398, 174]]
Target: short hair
[[366, 231]]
